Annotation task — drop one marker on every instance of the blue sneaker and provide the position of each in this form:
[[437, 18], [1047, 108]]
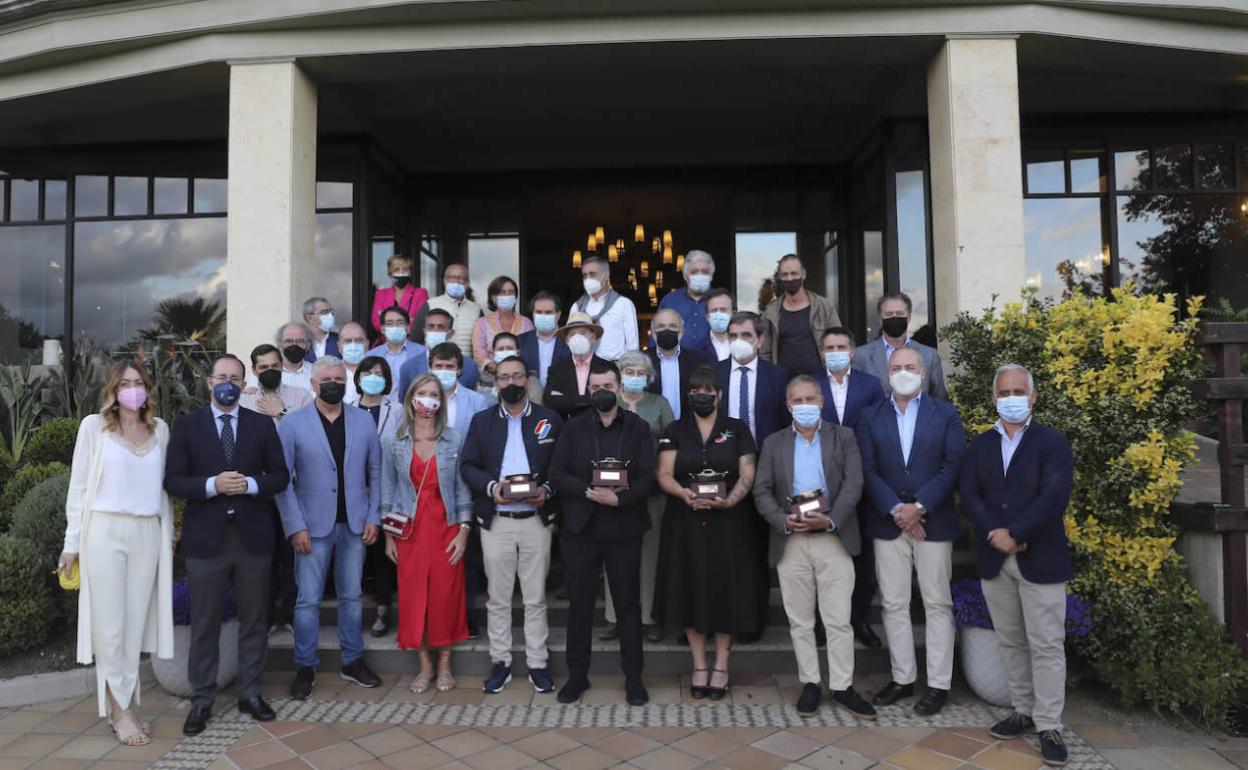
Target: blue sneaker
[[499, 677], [540, 678]]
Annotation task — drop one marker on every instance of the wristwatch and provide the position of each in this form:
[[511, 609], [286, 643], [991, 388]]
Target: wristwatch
[[922, 509]]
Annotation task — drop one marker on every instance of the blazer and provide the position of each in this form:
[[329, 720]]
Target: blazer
[[865, 392], [470, 403], [311, 500], [331, 348], [195, 455], [687, 360], [1029, 500], [770, 413], [533, 357], [929, 477], [871, 358], [384, 298], [415, 366], [822, 316], [842, 472], [482, 458], [561, 392], [388, 418], [398, 493], [571, 470]]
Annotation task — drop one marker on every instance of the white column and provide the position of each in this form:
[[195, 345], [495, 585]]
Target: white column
[[272, 199], [977, 183]]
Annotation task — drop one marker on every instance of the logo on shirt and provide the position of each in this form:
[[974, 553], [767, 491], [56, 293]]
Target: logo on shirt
[[542, 429], [723, 437]]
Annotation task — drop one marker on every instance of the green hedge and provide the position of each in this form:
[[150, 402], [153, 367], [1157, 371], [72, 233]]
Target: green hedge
[[52, 442], [40, 519], [22, 482], [27, 609]]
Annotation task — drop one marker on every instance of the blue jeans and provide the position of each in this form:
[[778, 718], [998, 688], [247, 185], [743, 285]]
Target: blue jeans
[[347, 550]]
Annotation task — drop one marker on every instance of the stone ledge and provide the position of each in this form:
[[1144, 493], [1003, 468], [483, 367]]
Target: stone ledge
[[57, 685]]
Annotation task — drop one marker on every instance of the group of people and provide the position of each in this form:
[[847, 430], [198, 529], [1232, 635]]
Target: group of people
[[465, 440]]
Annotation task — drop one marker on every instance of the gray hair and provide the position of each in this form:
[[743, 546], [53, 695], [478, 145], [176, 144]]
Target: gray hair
[[307, 331], [698, 255], [596, 260], [636, 358], [802, 379], [1031, 383], [746, 316], [327, 362], [309, 304], [680, 320]]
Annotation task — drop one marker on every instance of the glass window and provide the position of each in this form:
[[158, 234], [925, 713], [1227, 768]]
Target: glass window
[[129, 196], [382, 249], [90, 196], [169, 196], [3, 197], [489, 258], [24, 206], [1066, 248], [429, 273], [873, 274], [55, 193], [1133, 170], [912, 243], [832, 267], [210, 196], [331, 261], [32, 294], [1046, 171], [334, 195], [1087, 171], [1173, 164], [757, 255], [1215, 165]]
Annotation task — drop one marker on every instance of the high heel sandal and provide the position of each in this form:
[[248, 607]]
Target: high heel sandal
[[139, 738], [420, 685], [697, 691], [445, 680], [717, 693]]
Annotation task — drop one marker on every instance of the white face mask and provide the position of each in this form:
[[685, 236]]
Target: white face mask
[[579, 344], [905, 382], [741, 351], [326, 322], [433, 339], [592, 286], [505, 302]]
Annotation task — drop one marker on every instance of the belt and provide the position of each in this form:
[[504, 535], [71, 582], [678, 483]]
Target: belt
[[517, 514]]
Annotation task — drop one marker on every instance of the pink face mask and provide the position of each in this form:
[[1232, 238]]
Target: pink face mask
[[132, 398], [425, 406]]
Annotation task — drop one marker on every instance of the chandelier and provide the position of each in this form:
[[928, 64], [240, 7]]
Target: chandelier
[[649, 264]]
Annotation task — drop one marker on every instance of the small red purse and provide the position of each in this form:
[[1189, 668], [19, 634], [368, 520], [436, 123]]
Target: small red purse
[[399, 525]]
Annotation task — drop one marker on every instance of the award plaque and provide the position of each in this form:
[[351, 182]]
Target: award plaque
[[708, 484], [610, 472], [519, 486], [803, 504]]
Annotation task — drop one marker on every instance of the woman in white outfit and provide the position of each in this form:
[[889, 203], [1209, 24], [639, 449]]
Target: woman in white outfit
[[120, 531]]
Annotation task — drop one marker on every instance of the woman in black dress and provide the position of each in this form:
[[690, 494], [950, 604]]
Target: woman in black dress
[[703, 586]]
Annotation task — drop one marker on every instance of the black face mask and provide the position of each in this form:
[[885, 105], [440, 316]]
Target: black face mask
[[895, 326], [270, 378], [702, 403], [603, 400], [401, 281], [332, 392], [294, 353], [668, 339], [512, 394], [791, 286]]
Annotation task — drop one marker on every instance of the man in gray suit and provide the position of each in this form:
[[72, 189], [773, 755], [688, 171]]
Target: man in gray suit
[[894, 311], [331, 510], [813, 550]]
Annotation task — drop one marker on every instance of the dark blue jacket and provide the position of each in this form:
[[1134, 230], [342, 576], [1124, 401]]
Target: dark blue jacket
[[331, 348], [687, 360], [865, 392], [481, 458], [1030, 500], [929, 478], [770, 397], [417, 365], [533, 358]]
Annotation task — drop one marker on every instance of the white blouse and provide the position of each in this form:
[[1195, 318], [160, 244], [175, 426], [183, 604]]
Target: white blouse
[[131, 478]]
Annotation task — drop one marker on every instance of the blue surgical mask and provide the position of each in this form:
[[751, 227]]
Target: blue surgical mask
[[326, 322], [806, 415], [395, 334], [433, 339], [502, 355], [836, 360], [456, 290], [447, 377], [226, 393], [1014, 408], [505, 301], [633, 383], [353, 352], [719, 321], [545, 323], [699, 283], [372, 384]]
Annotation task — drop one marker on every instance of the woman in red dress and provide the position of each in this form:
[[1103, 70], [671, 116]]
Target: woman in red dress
[[421, 479]]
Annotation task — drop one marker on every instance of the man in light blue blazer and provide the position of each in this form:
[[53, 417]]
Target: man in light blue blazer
[[894, 311], [331, 510]]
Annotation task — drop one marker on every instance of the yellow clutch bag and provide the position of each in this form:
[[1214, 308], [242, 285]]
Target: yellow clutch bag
[[69, 578]]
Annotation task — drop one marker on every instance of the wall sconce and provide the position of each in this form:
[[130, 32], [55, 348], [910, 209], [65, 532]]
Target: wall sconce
[[645, 269], [667, 255], [591, 243], [600, 235], [619, 245], [576, 259], [654, 297], [613, 255], [667, 237], [680, 262], [639, 234], [655, 245], [658, 280]]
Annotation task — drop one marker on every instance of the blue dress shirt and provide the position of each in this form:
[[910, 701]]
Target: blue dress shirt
[[697, 328], [670, 374], [515, 457], [807, 464], [905, 424]]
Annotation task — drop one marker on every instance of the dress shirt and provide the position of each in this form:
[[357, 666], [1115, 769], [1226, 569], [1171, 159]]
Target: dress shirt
[[299, 378], [733, 396], [840, 393], [669, 372], [353, 395], [396, 359], [619, 326], [515, 456], [210, 488], [808, 463], [452, 404], [697, 327], [889, 349], [582, 373], [905, 423], [545, 354], [293, 398], [722, 349], [318, 346], [1008, 445]]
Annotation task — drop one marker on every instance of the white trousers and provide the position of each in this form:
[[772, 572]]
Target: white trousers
[[1030, 621], [816, 570], [649, 564], [517, 548], [895, 560], [121, 556]]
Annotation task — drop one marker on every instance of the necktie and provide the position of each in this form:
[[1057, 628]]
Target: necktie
[[227, 440], [743, 400]]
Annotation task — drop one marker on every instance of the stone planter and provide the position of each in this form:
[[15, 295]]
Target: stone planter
[[171, 673], [982, 665]]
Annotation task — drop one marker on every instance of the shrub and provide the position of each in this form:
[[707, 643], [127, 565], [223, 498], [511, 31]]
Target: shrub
[[26, 607], [182, 603], [52, 441], [40, 518], [970, 609], [26, 479]]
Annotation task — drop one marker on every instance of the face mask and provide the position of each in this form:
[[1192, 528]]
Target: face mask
[[1014, 408], [448, 377], [401, 281], [270, 378], [668, 339], [456, 290], [836, 360], [545, 323], [895, 326], [702, 403], [805, 415], [741, 351], [603, 400], [502, 355], [426, 406], [132, 398], [579, 344], [433, 339], [371, 384], [353, 352], [791, 286], [592, 286], [327, 322], [226, 393], [294, 353], [332, 392], [505, 301], [512, 394], [719, 321], [904, 382], [395, 334], [698, 284], [634, 384]]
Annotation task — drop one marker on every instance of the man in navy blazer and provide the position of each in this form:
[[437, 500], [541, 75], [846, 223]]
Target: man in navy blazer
[[226, 463], [517, 437], [318, 314], [912, 447], [543, 346], [439, 328], [672, 363], [330, 511], [766, 383], [1015, 485]]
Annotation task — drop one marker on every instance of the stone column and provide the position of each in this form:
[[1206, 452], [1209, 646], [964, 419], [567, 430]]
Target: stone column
[[272, 199], [977, 182]]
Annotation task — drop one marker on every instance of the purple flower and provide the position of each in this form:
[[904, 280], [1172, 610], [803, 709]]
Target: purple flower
[[970, 610], [182, 603]]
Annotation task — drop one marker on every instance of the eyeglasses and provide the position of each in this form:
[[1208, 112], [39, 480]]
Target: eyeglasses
[[518, 377], [220, 378], [300, 343]]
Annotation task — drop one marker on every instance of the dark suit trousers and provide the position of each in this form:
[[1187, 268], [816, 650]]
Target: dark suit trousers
[[207, 579], [282, 588], [583, 561], [864, 571]]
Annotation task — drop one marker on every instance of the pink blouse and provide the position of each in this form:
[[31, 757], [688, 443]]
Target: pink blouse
[[413, 298], [486, 327]]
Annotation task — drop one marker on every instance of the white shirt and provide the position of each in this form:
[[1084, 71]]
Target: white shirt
[[1009, 445], [210, 487], [733, 396], [293, 398], [353, 395], [545, 354], [721, 348], [130, 482], [619, 326], [452, 405], [906, 422], [840, 392], [319, 347], [300, 378]]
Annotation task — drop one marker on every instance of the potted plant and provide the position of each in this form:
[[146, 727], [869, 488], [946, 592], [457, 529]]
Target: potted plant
[[980, 654], [171, 673]]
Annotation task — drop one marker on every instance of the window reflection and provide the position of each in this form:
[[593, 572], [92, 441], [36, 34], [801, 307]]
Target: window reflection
[[383, 247], [757, 255], [1215, 165], [1087, 171], [32, 294], [209, 196], [873, 272], [129, 196], [169, 196], [1173, 166], [24, 206], [334, 195], [1133, 170], [91, 196], [331, 261], [1066, 249], [489, 258], [55, 193], [912, 243], [1045, 172]]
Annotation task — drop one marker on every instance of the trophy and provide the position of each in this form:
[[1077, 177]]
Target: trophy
[[610, 472], [803, 504], [518, 486], [708, 484]]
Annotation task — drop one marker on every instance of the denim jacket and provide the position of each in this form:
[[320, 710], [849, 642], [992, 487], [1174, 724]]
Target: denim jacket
[[399, 494]]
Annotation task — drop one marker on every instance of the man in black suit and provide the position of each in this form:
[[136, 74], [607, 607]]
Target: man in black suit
[[567, 380], [672, 363], [603, 526], [227, 463]]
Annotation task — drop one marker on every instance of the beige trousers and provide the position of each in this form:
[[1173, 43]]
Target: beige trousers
[[517, 548], [649, 564], [895, 560], [816, 570]]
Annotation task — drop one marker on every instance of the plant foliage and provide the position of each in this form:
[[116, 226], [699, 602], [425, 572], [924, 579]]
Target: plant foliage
[[26, 607], [22, 482], [53, 441]]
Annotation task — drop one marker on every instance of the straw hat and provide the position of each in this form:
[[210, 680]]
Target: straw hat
[[579, 321]]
